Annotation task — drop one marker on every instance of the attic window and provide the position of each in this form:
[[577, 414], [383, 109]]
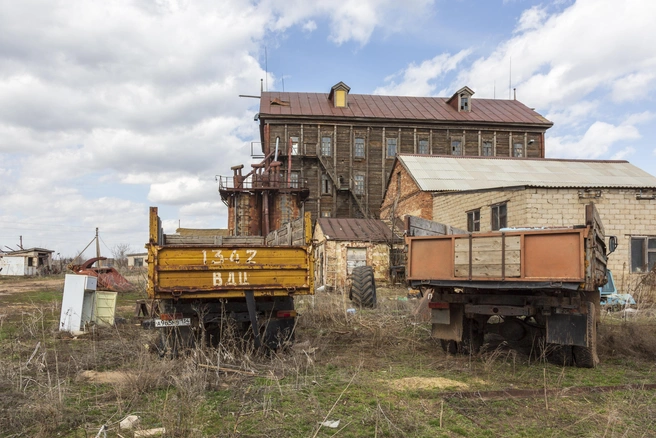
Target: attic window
[[339, 95], [340, 98], [464, 102]]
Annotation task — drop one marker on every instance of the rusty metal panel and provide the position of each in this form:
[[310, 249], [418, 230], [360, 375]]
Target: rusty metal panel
[[430, 258], [557, 256]]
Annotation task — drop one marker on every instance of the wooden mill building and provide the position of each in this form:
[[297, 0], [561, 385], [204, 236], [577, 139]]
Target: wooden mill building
[[341, 145], [332, 153]]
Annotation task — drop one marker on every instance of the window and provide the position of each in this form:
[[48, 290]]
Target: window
[[326, 147], [487, 148], [499, 216], [293, 180], [340, 98], [326, 186], [456, 147], [474, 220], [30, 261], [464, 102], [518, 150], [643, 254], [358, 151], [391, 147], [326, 213], [359, 184], [294, 145], [423, 147], [138, 262]]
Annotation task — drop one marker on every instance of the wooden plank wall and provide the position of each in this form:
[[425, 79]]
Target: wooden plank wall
[[290, 234], [487, 258], [376, 166]]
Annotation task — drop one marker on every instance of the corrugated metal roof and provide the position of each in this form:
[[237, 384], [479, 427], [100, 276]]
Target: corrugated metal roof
[[359, 230], [446, 173], [398, 108]]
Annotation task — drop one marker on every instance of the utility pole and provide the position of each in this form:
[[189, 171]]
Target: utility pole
[[98, 248]]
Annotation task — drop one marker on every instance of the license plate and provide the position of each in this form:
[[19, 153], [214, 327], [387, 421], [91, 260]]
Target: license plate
[[183, 322]]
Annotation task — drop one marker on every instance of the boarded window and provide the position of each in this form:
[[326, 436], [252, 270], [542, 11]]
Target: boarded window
[[358, 150], [293, 141], [456, 147], [355, 257], [643, 254], [359, 184], [487, 148], [326, 146], [518, 150], [499, 216], [423, 147], [474, 220], [326, 186], [391, 147]]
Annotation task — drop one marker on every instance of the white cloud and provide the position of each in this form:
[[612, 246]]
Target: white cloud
[[595, 143], [422, 79], [310, 26]]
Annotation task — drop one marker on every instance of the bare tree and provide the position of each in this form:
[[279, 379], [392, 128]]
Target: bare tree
[[120, 252]]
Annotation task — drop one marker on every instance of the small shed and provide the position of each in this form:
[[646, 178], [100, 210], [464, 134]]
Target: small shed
[[137, 260], [342, 244], [24, 262]]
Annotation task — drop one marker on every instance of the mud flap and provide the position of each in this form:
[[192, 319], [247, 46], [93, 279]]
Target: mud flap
[[447, 323], [565, 329]]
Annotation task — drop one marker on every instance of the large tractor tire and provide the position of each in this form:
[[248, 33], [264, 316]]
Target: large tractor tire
[[363, 287]]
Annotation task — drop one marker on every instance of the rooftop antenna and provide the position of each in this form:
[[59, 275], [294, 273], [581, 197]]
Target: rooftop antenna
[[514, 93], [495, 89], [283, 83]]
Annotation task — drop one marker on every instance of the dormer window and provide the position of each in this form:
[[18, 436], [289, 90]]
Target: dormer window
[[339, 95], [462, 99], [464, 102]]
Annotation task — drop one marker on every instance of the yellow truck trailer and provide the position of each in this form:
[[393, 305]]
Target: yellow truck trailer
[[202, 281]]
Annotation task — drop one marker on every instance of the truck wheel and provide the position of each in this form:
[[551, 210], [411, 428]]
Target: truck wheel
[[472, 337], [560, 355], [586, 357], [449, 346], [363, 287]]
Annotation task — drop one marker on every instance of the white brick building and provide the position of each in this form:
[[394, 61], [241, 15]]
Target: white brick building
[[482, 194]]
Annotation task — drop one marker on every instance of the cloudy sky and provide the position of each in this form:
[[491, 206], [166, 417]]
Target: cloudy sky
[[107, 108]]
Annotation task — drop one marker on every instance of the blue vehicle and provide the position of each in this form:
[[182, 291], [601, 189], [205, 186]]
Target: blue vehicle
[[609, 296]]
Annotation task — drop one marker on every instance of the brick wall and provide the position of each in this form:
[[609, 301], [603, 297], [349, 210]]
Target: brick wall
[[410, 200], [621, 213]]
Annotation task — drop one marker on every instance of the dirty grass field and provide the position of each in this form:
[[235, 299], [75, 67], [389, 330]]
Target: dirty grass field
[[378, 372]]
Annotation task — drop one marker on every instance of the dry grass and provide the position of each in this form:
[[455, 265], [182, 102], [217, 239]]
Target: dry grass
[[376, 370]]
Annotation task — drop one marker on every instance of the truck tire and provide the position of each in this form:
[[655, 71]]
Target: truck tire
[[586, 357], [472, 337], [449, 346], [363, 287]]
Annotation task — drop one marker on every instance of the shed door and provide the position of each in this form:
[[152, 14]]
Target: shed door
[[355, 257]]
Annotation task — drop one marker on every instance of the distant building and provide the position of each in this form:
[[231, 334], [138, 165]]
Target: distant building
[[484, 194], [26, 262], [137, 260], [332, 152], [343, 244]]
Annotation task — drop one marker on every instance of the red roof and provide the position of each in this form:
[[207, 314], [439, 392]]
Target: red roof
[[397, 108]]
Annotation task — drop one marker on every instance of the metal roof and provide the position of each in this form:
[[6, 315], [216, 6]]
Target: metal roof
[[360, 230], [446, 173], [281, 104]]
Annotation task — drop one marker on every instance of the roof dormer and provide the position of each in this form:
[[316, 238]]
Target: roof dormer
[[462, 99], [339, 95]]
